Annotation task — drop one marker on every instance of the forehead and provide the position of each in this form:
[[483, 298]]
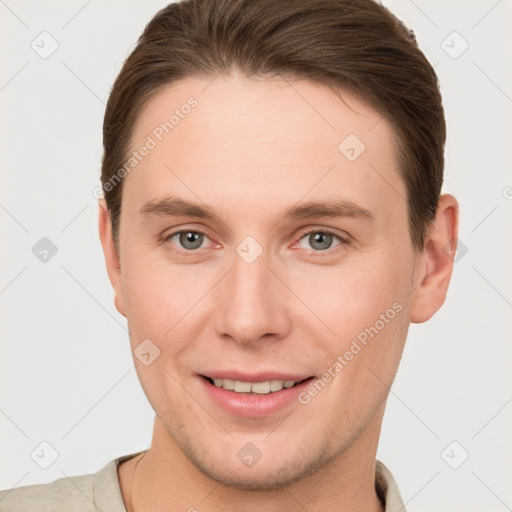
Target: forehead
[[277, 138]]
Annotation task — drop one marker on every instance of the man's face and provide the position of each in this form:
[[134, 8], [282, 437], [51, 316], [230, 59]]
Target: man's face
[[254, 293]]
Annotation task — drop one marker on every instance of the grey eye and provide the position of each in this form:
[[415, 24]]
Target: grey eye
[[319, 240], [189, 240]]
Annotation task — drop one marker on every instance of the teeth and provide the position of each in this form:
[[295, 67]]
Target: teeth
[[276, 385], [261, 388], [227, 384], [242, 387]]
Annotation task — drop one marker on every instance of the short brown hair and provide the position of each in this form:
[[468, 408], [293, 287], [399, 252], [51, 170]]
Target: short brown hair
[[357, 45]]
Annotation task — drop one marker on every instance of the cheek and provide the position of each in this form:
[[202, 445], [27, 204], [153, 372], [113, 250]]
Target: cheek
[[362, 357], [351, 296], [163, 301], [161, 306], [364, 306]]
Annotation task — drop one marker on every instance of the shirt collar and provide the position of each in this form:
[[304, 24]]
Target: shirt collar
[[387, 489]]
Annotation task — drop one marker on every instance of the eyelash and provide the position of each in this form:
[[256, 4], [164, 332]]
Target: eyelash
[[325, 231]]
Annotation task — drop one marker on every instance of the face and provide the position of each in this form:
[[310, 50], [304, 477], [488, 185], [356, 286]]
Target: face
[[264, 239]]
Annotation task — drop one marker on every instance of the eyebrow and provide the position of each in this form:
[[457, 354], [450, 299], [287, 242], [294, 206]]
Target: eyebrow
[[175, 207]]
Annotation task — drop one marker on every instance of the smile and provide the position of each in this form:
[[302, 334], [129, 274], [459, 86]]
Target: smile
[[253, 398], [260, 388]]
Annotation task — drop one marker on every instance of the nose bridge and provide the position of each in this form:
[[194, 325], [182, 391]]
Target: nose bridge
[[252, 304]]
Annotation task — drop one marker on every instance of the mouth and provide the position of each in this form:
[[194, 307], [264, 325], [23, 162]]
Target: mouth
[[255, 398], [254, 388]]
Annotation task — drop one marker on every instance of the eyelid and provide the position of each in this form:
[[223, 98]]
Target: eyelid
[[323, 229]]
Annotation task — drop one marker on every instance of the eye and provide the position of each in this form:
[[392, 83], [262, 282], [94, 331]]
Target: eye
[[188, 240], [321, 240]]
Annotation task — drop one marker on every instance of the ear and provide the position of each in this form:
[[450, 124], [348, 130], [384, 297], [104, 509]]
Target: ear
[[435, 264], [112, 259]]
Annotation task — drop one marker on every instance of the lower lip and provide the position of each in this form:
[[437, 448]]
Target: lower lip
[[254, 405]]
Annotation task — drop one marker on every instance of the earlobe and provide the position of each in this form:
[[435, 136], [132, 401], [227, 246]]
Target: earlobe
[[112, 259], [436, 261]]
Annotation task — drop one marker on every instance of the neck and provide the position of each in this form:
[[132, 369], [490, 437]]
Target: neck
[[166, 480]]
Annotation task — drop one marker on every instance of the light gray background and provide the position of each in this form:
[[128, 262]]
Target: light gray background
[[67, 376]]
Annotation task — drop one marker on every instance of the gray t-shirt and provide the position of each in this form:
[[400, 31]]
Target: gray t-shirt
[[100, 492]]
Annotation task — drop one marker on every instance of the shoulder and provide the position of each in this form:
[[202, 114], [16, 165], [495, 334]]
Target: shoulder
[[84, 493], [73, 494]]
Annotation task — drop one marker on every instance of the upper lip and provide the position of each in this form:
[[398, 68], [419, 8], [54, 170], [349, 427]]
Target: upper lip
[[254, 377]]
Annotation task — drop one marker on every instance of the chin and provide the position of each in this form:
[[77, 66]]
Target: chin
[[263, 478], [268, 473]]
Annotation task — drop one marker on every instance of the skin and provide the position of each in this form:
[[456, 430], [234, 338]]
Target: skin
[[252, 148]]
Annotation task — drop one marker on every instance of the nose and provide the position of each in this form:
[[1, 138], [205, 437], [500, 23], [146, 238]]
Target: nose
[[253, 304]]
